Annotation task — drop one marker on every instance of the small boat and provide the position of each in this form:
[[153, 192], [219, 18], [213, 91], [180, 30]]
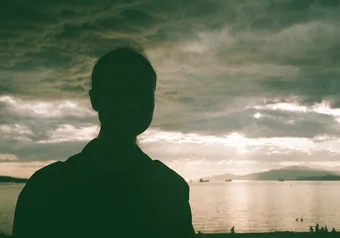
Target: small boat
[[203, 181], [228, 180], [280, 180]]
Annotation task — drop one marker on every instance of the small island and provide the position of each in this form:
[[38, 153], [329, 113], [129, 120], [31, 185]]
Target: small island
[[8, 179]]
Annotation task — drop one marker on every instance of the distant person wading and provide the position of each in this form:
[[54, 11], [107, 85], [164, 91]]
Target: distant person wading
[[111, 188]]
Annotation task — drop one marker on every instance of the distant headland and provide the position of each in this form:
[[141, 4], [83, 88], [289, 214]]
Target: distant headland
[[297, 173], [7, 179]]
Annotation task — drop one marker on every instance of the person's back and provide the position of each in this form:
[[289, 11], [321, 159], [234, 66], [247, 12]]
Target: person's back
[[111, 188]]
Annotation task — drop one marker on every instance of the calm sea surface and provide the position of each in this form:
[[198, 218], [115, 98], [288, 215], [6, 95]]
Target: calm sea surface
[[249, 206]]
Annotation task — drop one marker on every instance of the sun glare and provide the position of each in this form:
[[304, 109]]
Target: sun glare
[[257, 115]]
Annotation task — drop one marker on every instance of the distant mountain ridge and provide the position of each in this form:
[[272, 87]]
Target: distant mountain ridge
[[321, 178], [288, 173], [8, 179]]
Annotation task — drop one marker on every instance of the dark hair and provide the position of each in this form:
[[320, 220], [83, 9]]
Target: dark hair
[[120, 63]]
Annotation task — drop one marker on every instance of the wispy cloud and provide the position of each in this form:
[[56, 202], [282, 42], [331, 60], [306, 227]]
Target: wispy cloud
[[8, 157]]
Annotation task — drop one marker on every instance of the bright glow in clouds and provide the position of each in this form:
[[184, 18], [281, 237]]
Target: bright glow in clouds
[[239, 143], [233, 140], [47, 109], [321, 108], [257, 115], [287, 107], [194, 155], [69, 133], [191, 154]]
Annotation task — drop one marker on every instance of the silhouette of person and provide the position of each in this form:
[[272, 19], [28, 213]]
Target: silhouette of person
[[311, 229], [111, 188], [317, 227], [326, 229]]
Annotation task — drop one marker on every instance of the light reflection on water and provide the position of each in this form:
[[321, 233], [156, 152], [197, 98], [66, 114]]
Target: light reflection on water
[[250, 206], [259, 206]]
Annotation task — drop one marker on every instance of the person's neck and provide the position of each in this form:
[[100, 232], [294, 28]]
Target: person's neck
[[117, 152], [116, 143]]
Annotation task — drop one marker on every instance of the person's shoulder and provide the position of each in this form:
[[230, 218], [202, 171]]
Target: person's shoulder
[[45, 175], [52, 173], [168, 172], [40, 184], [172, 179], [48, 169]]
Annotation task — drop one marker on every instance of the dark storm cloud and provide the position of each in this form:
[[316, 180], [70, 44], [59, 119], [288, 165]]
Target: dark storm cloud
[[214, 59], [64, 36], [71, 88], [312, 86]]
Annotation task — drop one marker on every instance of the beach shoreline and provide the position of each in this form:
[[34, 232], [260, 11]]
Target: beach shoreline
[[283, 234]]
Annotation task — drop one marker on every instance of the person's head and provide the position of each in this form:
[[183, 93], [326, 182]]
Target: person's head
[[123, 91]]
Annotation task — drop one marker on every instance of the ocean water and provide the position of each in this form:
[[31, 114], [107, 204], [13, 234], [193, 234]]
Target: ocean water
[[8, 197], [250, 206], [263, 206]]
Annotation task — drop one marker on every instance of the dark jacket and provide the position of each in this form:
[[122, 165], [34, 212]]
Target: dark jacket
[[72, 199]]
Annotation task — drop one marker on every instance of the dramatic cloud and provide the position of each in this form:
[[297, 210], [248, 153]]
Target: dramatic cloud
[[266, 71]]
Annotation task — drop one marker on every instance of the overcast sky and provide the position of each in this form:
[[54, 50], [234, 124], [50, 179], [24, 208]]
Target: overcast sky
[[243, 86]]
